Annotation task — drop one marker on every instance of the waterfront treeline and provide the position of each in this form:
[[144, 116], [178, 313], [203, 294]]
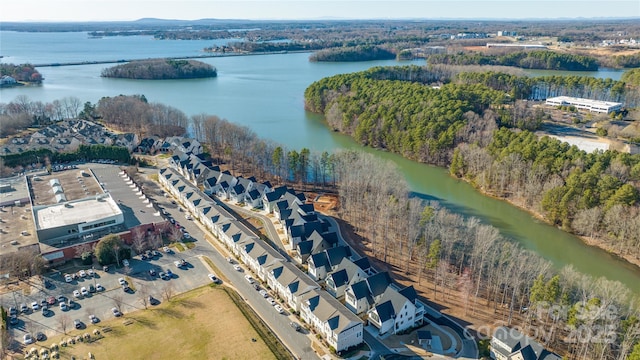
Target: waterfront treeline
[[540, 59]]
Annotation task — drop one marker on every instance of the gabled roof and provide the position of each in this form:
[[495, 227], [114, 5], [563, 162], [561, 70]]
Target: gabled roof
[[385, 311], [304, 247], [254, 194], [363, 263], [378, 283], [336, 254], [319, 260], [339, 277], [360, 290], [410, 293], [238, 189]]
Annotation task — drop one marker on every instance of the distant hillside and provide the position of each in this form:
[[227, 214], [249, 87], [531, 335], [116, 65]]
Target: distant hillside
[[161, 69]]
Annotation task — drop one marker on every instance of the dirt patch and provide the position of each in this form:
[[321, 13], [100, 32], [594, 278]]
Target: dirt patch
[[194, 326]]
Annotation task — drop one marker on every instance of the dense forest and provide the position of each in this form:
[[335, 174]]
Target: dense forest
[[482, 135], [22, 72], [547, 60], [354, 53], [161, 69]]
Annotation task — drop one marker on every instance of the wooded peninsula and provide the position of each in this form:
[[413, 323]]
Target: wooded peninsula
[[480, 126], [161, 69]]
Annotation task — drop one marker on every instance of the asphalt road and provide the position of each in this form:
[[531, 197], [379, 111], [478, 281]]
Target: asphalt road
[[298, 342]]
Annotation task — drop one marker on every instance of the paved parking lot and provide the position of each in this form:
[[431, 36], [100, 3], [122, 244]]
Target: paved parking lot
[[101, 303]]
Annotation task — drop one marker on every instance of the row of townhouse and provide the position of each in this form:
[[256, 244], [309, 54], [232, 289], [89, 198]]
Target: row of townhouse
[[67, 135], [364, 291], [341, 328], [172, 144], [354, 282]]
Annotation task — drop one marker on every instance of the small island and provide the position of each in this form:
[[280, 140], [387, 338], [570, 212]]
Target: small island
[[161, 69]]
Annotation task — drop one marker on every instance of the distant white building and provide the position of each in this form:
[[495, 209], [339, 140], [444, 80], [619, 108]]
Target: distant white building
[[598, 106]]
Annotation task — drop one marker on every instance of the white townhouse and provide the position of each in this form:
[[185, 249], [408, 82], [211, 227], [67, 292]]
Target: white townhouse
[[341, 328], [345, 274], [396, 311], [360, 296]]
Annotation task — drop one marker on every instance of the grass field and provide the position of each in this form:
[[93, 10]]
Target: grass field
[[201, 324]]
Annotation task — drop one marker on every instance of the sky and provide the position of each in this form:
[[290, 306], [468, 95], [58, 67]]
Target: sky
[[116, 10]]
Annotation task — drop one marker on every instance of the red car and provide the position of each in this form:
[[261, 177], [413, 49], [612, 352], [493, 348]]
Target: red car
[[51, 300]]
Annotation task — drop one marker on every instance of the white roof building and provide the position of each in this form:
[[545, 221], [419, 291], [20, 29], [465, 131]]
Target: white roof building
[[598, 106]]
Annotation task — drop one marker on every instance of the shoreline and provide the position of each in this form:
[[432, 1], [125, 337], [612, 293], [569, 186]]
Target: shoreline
[[631, 259]]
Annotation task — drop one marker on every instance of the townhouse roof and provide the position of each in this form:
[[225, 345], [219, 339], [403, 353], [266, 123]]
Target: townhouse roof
[[336, 254], [362, 263], [319, 260], [378, 283]]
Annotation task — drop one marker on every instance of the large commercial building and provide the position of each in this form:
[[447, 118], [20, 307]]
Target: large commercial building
[[57, 223], [598, 106]]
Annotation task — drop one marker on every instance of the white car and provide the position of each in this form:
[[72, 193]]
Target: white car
[[63, 306], [82, 273], [93, 319], [35, 306], [76, 293], [27, 339], [188, 217], [84, 291], [90, 272], [249, 279], [230, 260], [214, 278], [264, 293], [125, 262], [237, 267], [279, 308], [166, 249], [177, 263], [68, 278], [116, 312], [99, 287], [271, 301], [122, 281]]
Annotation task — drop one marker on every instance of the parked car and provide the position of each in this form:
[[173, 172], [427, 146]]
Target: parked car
[[169, 273], [61, 298], [249, 279], [271, 301], [99, 287], [92, 288], [76, 293], [153, 301], [84, 291], [82, 273], [51, 300], [256, 287], [90, 272], [143, 256], [295, 325], [63, 306], [116, 312], [47, 284], [122, 281], [125, 262], [264, 293], [46, 311], [93, 319], [188, 217], [71, 304], [105, 268], [13, 311], [13, 320], [166, 249], [152, 272], [27, 339], [35, 306], [279, 308], [24, 308], [214, 279], [183, 262], [78, 324], [186, 235], [230, 260], [126, 288], [163, 276], [237, 267], [177, 263], [40, 336], [68, 278]]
